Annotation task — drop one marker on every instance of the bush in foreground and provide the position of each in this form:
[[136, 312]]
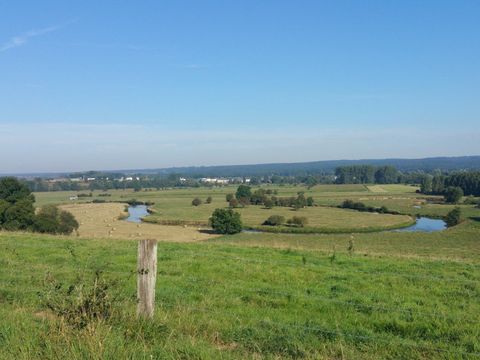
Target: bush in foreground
[[453, 217], [274, 220], [226, 221]]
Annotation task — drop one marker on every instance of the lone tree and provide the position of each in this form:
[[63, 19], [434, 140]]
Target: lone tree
[[209, 200], [453, 217], [243, 194], [226, 221], [197, 201], [453, 194]]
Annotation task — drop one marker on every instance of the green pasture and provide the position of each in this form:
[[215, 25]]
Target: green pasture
[[223, 300]]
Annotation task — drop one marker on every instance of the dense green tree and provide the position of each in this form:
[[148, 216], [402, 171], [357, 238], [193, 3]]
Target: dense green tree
[[209, 200], [226, 221], [453, 194], [13, 190], [16, 205], [229, 197], [244, 193], [19, 216]]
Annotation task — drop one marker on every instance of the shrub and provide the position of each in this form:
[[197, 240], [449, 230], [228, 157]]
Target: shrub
[[310, 201], [453, 194], [52, 220], [274, 220], [209, 200], [298, 221], [229, 197], [80, 304], [453, 217], [197, 201], [226, 221]]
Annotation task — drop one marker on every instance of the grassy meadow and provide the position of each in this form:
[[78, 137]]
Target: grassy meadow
[[379, 295]]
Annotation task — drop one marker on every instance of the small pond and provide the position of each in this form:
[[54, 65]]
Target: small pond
[[425, 224], [135, 213]]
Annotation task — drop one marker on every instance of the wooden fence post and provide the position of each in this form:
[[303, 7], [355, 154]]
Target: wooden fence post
[[146, 277]]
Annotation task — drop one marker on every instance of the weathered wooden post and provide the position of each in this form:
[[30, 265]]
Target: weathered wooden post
[[146, 277]]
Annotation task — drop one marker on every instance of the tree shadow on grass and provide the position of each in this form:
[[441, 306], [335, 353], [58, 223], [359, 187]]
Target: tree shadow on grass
[[207, 231], [475, 218]]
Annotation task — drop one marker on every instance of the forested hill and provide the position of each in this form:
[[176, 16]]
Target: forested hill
[[327, 167], [447, 164]]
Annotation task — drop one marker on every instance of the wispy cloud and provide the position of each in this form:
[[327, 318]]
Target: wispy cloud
[[22, 39]]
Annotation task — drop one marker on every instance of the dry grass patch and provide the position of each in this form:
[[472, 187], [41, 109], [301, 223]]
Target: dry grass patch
[[102, 221]]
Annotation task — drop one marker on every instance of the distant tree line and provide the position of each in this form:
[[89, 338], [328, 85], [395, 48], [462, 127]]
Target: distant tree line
[[468, 182], [366, 174]]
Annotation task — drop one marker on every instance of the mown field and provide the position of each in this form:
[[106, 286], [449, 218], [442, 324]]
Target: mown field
[[381, 295]]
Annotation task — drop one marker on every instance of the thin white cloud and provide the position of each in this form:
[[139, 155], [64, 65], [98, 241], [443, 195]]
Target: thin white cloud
[[22, 39]]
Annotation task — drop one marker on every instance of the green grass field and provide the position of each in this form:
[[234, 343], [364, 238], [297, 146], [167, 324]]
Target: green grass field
[[175, 204], [383, 295], [220, 299]]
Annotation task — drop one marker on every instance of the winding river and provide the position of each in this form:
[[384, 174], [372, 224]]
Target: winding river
[[423, 224], [136, 213]]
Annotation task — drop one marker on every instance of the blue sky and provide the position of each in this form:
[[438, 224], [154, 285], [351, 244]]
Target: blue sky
[[135, 84]]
